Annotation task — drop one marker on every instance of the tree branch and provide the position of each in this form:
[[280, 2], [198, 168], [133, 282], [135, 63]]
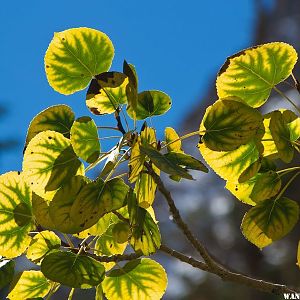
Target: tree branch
[[177, 218], [226, 275], [209, 264]]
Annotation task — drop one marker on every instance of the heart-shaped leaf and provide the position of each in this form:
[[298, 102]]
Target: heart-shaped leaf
[[270, 221], [73, 270], [252, 73], [16, 219], [228, 124], [138, 279], [74, 56], [85, 139]]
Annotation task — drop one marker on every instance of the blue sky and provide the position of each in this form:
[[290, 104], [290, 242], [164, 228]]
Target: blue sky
[[176, 46]]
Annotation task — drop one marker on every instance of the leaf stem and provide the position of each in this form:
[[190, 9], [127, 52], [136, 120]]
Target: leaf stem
[[286, 186], [182, 138], [287, 170], [68, 240], [71, 294], [108, 127]]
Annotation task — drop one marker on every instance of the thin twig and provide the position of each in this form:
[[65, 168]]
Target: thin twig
[[226, 275]]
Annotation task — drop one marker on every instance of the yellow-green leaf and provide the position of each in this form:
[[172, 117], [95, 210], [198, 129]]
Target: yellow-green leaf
[[281, 136], [231, 164], [31, 284], [260, 187], [228, 124], [106, 244], [132, 87], [107, 92], [74, 56], [270, 221], [49, 161], [141, 279], [145, 188], [151, 103], [96, 199], [85, 139], [145, 235], [40, 207], [173, 141], [61, 205], [41, 244], [163, 163], [252, 73], [73, 270], [16, 219], [57, 118], [292, 122]]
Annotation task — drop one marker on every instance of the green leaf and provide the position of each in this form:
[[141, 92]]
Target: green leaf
[[41, 244], [99, 293], [7, 269], [132, 87], [100, 227], [270, 221], [40, 208], [173, 141], [151, 103], [141, 279], [145, 232], [281, 136], [106, 244], [57, 118], [74, 56], [186, 161], [231, 164], [31, 284], [145, 188], [252, 73], [293, 123], [250, 171], [61, 205], [96, 199], [73, 270], [16, 219], [49, 161], [260, 187], [163, 163], [107, 92], [229, 124], [85, 139]]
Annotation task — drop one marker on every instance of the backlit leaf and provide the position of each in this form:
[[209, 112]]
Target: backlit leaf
[[107, 245], [61, 205], [85, 139], [260, 187], [70, 269], [145, 232], [231, 164], [74, 56], [141, 279], [132, 87], [96, 199], [163, 163], [252, 73], [107, 92], [228, 124], [16, 219], [186, 161], [281, 136], [173, 141], [41, 244], [57, 118], [49, 161], [298, 255], [7, 269], [151, 103], [31, 284], [270, 221]]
